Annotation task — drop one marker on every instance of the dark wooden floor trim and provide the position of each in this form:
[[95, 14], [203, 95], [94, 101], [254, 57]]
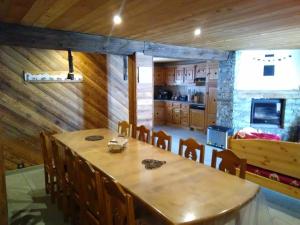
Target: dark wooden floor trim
[[3, 198]]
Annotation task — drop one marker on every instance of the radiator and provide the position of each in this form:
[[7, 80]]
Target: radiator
[[217, 136]]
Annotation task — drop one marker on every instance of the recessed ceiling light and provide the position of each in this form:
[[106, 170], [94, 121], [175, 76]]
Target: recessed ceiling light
[[117, 19], [197, 31]]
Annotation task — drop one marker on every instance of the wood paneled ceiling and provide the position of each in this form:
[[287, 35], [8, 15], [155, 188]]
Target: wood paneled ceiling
[[225, 24]]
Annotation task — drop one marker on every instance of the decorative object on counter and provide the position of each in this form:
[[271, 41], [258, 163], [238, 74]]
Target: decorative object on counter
[[117, 145], [164, 94], [153, 163], [50, 76], [198, 97], [94, 138]]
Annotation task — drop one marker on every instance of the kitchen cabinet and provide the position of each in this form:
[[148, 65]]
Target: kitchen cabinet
[[201, 70], [212, 100], [159, 112], [170, 75], [169, 112], [213, 71], [159, 76], [197, 119], [189, 73], [176, 115], [179, 74], [184, 114]]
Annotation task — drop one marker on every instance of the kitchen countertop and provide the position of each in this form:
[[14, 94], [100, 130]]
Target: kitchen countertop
[[167, 100]]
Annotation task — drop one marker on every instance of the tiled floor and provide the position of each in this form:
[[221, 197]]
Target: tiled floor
[[29, 205], [283, 210]]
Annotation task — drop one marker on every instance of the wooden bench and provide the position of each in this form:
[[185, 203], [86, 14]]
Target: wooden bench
[[277, 156]]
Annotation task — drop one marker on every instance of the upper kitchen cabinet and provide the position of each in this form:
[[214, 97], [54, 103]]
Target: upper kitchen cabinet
[[170, 75], [201, 70], [189, 74], [213, 71], [179, 75], [159, 76]]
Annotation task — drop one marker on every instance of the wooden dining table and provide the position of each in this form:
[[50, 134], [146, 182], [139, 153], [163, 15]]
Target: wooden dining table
[[179, 192]]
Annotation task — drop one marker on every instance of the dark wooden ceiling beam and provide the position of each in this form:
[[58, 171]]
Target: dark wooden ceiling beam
[[34, 37]]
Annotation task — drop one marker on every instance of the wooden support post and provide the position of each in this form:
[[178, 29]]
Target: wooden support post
[[132, 92], [3, 199]]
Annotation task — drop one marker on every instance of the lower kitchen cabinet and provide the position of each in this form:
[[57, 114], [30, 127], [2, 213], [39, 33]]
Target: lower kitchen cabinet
[[197, 119], [176, 116], [169, 113], [159, 113]]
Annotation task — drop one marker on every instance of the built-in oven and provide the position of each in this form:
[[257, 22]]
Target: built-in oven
[[197, 106]]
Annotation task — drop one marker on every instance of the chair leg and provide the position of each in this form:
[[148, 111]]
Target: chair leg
[[47, 183], [238, 219], [52, 189]]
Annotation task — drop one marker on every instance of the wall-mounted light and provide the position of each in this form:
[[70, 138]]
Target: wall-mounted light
[[71, 68]]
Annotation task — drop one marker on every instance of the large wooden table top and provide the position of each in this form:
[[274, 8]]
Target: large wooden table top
[[181, 191]]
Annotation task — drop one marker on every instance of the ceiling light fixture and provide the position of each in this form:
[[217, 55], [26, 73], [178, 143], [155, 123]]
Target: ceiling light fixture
[[197, 32], [117, 19]]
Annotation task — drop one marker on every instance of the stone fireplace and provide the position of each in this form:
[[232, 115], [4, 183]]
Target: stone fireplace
[[267, 112], [234, 102]]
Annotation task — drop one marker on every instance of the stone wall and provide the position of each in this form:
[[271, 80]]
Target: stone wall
[[234, 106], [242, 111], [225, 92]]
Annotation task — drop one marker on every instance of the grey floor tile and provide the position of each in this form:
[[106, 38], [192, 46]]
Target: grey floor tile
[[28, 203]]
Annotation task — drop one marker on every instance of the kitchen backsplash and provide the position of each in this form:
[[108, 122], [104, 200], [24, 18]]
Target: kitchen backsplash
[[179, 90]]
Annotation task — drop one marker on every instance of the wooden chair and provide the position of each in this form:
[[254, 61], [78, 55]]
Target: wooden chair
[[160, 138], [230, 162], [190, 151], [72, 163], [92, 208], [143, 134], [49, 167], [124, 128], [119, 204], [63, 189]]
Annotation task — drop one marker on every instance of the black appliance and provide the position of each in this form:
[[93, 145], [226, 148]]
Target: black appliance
[[217, 136], [197, 106], [267, 111], [164, 94]]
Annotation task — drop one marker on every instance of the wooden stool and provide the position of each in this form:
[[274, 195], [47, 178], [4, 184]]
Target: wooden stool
[[162, 138], [143, 134], [230, 162], [124, 128], [191, 149]]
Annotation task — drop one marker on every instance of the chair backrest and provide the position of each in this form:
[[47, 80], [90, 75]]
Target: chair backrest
[[47, 148], [58, 156], [229, 162], [91, 190], [190, 151], [162, 140], [119, 204], [72, 163], [124, 128], [143, 133]]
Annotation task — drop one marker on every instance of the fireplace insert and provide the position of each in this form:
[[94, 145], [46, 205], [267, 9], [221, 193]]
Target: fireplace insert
[[267, 112]]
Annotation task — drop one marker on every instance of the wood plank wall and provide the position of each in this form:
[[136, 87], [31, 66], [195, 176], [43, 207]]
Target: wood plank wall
[[118, 108], [27, 108], [144, 92]]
